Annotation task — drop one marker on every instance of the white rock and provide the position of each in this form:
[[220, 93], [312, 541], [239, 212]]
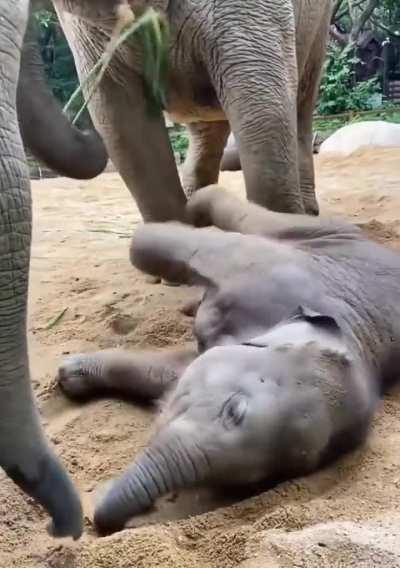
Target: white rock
[[352, 137]]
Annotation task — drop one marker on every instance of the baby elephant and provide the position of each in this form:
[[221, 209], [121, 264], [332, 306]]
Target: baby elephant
[[297, 333]]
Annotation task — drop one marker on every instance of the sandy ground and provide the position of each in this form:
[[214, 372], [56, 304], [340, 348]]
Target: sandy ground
[[347, 515]]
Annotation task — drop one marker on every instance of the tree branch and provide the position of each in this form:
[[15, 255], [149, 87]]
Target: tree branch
[[359, 23], [338, 4], [382, 27]]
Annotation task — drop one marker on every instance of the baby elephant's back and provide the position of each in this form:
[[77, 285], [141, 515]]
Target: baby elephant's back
[[361, 280], [367, 271]]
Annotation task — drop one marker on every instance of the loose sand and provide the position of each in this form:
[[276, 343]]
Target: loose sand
[[347, 515]]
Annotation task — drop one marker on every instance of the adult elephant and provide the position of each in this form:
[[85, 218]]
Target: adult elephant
[[25, 454], [231, 159], [251, 67]]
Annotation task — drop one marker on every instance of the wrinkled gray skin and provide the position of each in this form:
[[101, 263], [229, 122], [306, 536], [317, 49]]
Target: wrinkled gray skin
[[45, 130], [231, 159], [252, 67], [24, 452], [297, 334]]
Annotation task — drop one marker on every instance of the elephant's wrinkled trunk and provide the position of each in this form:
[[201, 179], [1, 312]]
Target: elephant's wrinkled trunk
[[41, 475], [24, 452], [161, 468], [45, 130]]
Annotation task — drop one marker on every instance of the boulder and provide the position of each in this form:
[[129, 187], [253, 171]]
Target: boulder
[[358, 135]]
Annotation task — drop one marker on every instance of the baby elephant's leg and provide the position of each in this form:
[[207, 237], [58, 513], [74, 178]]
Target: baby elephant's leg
[[145, 375], [214, 206]]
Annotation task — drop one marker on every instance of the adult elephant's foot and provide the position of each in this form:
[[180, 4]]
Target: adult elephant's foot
[[170, 283], [231, 161], [310, 203], [311, 207], [157, 280], [190, 307]]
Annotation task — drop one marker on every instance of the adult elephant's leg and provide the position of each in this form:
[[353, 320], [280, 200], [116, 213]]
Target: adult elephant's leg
[[24, 453], [307, 96], [252, 62], [231, 159], [136, 139], [139, 147], [305, 148], [206, 146]]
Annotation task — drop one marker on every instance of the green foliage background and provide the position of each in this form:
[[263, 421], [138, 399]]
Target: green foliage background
[[58, 62], [339, 92]]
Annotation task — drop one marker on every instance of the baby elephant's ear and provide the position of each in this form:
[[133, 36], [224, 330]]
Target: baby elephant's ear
[[321, 320], [302, 313]]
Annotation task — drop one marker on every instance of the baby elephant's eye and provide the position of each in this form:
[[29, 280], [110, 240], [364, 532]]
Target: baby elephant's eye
[[234, 410]]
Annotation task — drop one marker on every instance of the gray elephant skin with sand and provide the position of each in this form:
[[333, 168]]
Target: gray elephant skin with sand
[[298, 333], [251, 67], [29, 114], [231, 159]]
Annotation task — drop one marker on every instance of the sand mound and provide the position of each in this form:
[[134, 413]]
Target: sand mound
[[346, 515]]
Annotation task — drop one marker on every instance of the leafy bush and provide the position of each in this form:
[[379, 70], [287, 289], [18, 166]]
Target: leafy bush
[[59, 63], [339, 92], [179, 141]]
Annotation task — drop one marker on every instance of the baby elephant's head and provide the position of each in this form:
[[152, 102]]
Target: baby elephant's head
[[243, 413]]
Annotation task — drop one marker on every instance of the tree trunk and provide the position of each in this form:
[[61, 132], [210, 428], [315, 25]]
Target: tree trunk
[[360, 19]]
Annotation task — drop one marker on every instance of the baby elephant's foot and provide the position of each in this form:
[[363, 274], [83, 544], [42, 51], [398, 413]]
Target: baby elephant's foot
[[80, 376]]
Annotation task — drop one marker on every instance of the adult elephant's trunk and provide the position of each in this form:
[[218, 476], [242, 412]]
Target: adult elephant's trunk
[[24, 452], [45, 130], [168, 464]]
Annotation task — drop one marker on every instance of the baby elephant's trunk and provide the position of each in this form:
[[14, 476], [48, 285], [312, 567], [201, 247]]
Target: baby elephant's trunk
[[160, 469]]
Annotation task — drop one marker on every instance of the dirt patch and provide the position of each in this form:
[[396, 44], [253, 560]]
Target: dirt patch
[[385, 234], [346, 515]]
